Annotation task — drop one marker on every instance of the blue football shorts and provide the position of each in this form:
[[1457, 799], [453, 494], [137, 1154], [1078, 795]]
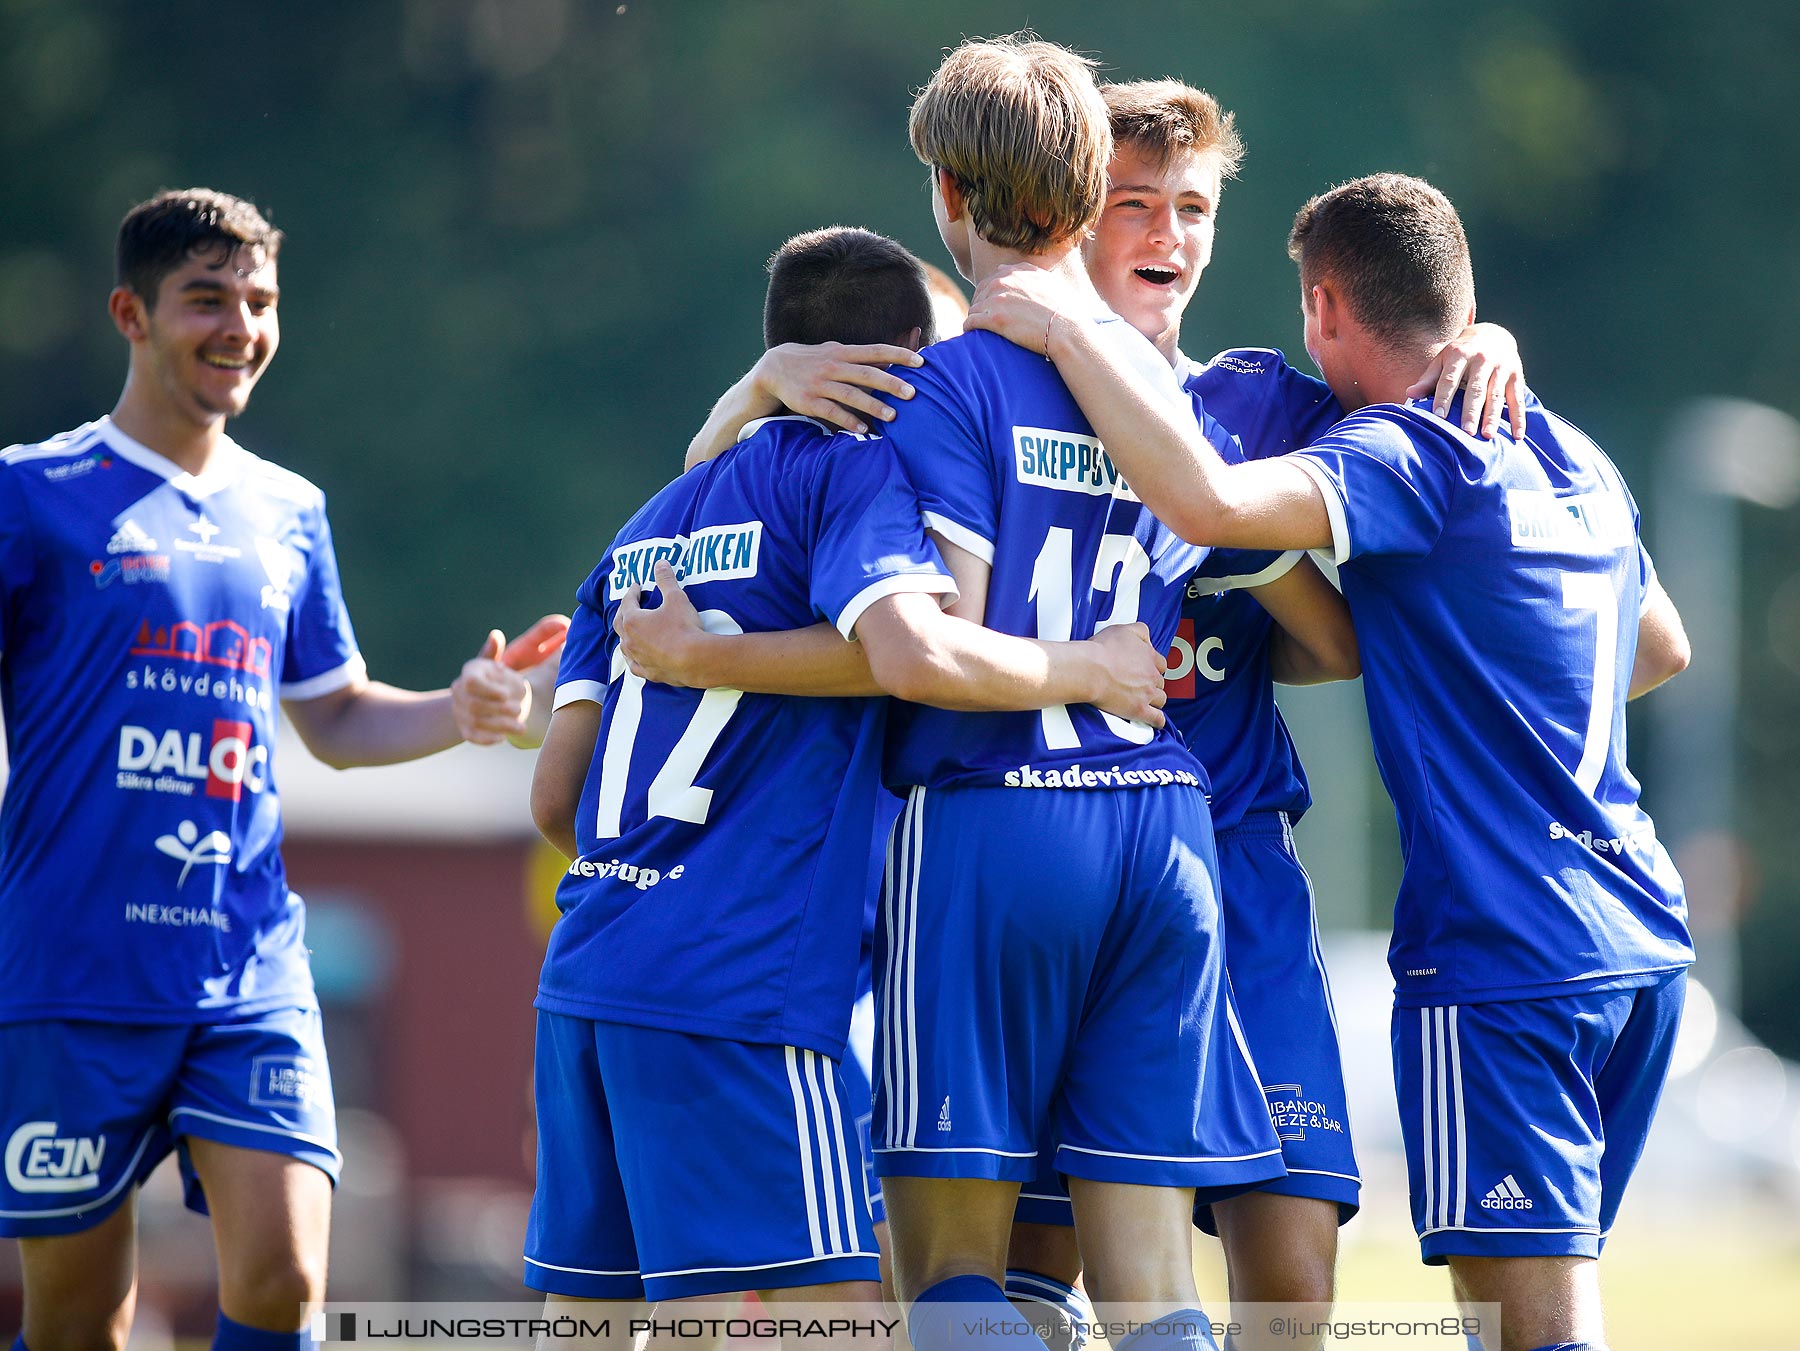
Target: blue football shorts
[[1049, 967], [1524, 1119], [673, 1165], [1283, 999], [88, 1109]]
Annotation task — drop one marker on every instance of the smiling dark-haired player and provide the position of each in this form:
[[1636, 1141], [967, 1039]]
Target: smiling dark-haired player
[[154, 986]]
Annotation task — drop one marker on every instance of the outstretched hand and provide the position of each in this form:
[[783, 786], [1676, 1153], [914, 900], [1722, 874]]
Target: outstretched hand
[[1134, 669], [1483, 361], [504, 691], [660, 645]]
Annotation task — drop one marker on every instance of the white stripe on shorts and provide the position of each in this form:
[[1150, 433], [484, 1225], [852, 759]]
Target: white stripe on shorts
[[1462, 1134], [1428, 1171], [828, 1080], [1444, 1129], [900, 1030], [915, 866], [831, 1199], [803, 1130]]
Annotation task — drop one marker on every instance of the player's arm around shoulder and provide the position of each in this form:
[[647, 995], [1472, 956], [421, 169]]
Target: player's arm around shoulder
[[1313, 641], [946, 658], [562, 767], [1662, 647], [1155, 441], [668, 644], [836, 383]]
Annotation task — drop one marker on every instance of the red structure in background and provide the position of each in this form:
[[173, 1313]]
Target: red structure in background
[[452, 1032]]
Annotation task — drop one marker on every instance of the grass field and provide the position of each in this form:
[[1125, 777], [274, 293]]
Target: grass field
[[1729, 1281]]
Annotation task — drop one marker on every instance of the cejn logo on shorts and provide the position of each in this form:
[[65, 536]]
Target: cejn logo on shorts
[[38, 1160], [171, 761]]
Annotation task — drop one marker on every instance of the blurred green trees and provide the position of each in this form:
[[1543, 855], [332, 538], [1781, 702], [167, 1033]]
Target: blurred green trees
[[526, 242]]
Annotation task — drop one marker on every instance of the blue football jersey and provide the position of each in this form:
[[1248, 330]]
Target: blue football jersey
[[1496, 587], [725, 837], [1251, 405], [150, 621], [1009, 469]]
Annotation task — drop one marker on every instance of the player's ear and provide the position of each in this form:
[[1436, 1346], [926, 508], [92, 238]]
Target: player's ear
[[951, 191], [128, 312], [914, 340], [1328, 307]]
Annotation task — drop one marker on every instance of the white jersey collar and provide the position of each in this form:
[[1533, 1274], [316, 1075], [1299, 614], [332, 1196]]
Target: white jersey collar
[[227, 465]]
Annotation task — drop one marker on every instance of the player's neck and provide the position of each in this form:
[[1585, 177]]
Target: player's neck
[[182, 439], [1065, 259], [1381, 374]]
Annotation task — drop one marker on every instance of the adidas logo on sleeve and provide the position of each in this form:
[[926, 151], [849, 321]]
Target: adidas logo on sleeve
[[1505, 1195]]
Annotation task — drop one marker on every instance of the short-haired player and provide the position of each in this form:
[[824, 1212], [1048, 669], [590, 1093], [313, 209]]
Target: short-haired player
[[1505, 610], [155, 993], [695, 1137]]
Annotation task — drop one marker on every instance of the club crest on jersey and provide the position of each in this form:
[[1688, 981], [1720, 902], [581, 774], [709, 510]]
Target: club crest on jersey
[[1543, 520], [1068, 462], [40, 1160], [280, 563], [717, 553]]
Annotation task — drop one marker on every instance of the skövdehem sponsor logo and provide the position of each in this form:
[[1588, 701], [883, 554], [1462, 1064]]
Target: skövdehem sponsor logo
[[196, 654], [1025, 776]]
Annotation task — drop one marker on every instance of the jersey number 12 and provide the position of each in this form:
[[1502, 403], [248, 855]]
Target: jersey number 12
[[673, 792]]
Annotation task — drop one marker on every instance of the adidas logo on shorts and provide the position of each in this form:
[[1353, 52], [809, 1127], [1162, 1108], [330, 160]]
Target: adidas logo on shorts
[[1505, 1195]]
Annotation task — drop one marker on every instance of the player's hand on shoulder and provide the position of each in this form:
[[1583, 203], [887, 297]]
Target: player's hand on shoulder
[[494, 696], [1019, 301], [1133, 686], [1483, 361], [661, 645], [835, 382]]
